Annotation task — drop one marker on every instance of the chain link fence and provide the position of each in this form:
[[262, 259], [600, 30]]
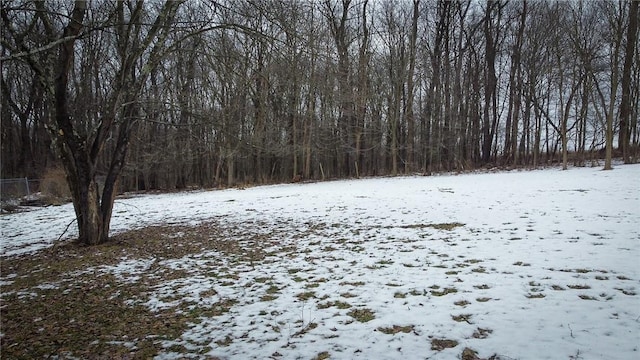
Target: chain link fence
[[11, 189]]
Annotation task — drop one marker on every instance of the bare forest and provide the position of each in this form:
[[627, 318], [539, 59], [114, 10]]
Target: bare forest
[[169, 95]]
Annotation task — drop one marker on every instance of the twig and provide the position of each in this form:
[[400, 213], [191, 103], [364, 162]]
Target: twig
[[65, 229], [133, 206]]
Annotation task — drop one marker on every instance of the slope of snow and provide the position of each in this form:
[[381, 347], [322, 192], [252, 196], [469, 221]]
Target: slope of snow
[[528, 265]]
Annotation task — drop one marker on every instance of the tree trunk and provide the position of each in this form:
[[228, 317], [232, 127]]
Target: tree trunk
[[490, 104], [625, 105], [339, 31], [81, 152], [79, 170], [409, 160], [90, 224], [515, 82]]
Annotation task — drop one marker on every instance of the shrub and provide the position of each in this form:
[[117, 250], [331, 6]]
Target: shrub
[[54, 186]]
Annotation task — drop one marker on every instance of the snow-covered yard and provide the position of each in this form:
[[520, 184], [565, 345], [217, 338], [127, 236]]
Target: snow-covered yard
[[526, 265]]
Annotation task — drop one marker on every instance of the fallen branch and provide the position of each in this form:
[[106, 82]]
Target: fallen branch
[[65, 229]]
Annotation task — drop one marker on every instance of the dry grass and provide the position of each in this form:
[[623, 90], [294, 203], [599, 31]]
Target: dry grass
[[396, 329], [54, 186], [362, 315], [60, 304], [441, 344]]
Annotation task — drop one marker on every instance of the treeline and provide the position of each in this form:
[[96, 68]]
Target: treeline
[[262, 91]]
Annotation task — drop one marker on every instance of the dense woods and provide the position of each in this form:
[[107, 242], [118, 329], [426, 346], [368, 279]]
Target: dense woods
[[260, 91], [168, 95]]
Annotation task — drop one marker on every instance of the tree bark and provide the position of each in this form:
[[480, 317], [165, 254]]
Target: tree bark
[[78, 167], [491, 81], [409, 161], [625, 104]]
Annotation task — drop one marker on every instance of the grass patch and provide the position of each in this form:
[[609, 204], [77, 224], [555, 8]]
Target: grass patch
[[304, 296], [444, 292], [520, 263], [535, 296], [305, 329], [322, 356], [462, 318], [273, 289], [348, 295], [224, 342], [481, 333], [385, 262], [579, 287], [352, 283], [396, 329], [440, 226], [362, 315], [469, 354], [325, 305], [482, 287], [441, 344], [626, 292], [338, 304], [341, 304], [400, 295], [446, 226], [473, 261]]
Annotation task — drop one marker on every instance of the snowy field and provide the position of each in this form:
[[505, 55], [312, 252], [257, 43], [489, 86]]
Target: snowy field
[[526, 265]]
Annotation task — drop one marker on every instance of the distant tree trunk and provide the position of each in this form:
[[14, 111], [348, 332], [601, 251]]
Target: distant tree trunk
[[25, 154], [615, 21], [515, 91], [363, 90], [339, 29], [491, 81], [435, 95], [582, 122], [411, 88], [625, 104]]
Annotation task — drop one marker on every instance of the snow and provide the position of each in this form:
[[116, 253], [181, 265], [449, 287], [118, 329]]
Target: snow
[[544, 264]]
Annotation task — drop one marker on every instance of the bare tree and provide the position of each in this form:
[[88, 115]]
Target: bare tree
[[80, 150]]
